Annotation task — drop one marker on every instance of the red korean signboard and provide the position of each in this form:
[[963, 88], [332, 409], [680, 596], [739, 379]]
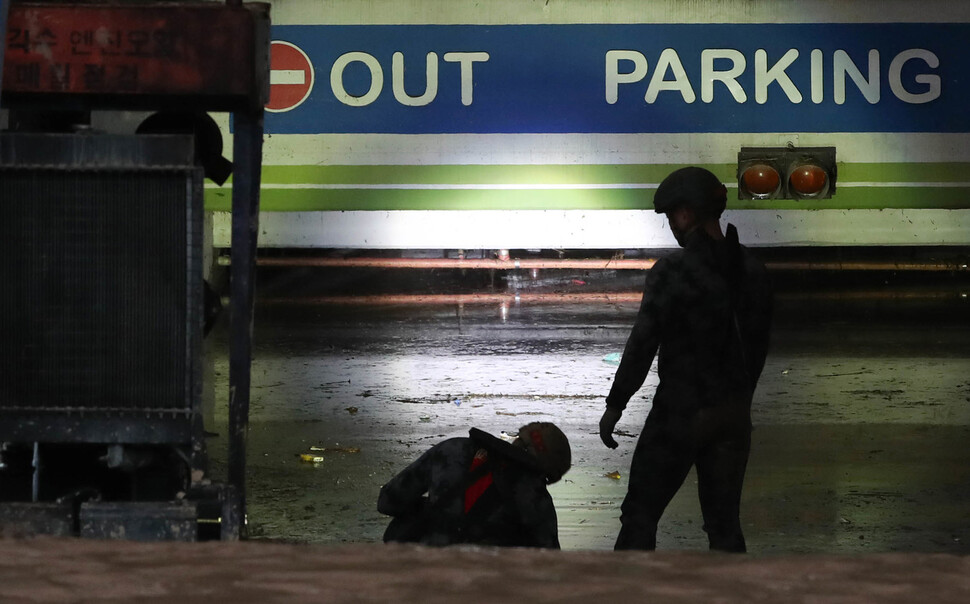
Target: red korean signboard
[[204, 50]]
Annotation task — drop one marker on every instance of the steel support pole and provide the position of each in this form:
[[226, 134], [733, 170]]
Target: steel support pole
[[247, 163]]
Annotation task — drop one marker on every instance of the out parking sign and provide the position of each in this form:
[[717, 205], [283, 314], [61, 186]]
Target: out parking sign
[[629, 78]]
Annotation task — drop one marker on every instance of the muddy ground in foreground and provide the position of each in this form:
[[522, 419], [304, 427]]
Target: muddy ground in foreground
[[55, 572]]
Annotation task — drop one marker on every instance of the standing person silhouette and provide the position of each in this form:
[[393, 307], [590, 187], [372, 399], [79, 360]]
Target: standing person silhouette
[[707, 309]]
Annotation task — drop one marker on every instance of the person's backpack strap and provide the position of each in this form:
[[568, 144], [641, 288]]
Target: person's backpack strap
[[735, 277], [481, 482]]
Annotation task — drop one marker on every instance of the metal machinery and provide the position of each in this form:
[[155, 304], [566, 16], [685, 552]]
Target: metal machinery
[[101, 268]]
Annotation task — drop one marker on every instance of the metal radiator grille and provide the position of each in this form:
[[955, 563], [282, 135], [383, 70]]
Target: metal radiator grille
[[99, 306]]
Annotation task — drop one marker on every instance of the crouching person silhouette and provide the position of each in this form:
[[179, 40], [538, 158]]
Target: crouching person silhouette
[[480, 489]]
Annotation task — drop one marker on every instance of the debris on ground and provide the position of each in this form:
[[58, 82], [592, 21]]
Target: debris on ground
[[335, 449], [613, 358]]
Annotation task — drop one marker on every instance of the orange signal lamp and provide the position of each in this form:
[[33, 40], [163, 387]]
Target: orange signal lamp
[[808, 180], [760, 180], [790, 172]]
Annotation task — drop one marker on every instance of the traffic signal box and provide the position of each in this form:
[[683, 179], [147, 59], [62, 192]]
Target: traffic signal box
[[801, 173]]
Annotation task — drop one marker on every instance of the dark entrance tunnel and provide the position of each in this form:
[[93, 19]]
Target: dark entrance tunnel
[[861, 416]]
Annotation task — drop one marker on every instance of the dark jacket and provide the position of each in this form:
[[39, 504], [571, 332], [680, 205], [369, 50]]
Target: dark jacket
[[707, 308], [514, 510]]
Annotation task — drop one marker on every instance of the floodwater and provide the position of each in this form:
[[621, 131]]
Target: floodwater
[[862, 415]]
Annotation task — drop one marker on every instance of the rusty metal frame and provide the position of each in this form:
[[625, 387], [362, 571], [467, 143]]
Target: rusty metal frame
[[4, 10], [242, 90]]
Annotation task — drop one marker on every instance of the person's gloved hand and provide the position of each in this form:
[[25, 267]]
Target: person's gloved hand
[[607, 424]]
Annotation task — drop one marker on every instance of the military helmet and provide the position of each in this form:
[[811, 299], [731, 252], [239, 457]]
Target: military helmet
[[696, 187], [549, 445]]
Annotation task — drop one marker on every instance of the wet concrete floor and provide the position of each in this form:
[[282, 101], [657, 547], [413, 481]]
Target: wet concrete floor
[[862, 415]]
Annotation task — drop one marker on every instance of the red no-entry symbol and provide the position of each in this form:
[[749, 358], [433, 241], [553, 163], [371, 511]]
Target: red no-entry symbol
[[290, 76]]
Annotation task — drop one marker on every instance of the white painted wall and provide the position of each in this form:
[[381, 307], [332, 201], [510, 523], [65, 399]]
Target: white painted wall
[[579, 229]]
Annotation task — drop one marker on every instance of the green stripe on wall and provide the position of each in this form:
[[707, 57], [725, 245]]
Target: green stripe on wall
[[472, 174], [291, 200], [582, 174], [899, 172], [296, 199]]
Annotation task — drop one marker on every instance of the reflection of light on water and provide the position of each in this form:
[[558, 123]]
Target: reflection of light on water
[[504, 308]]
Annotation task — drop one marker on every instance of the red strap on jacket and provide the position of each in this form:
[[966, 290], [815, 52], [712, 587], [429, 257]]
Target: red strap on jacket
[[477, 488]]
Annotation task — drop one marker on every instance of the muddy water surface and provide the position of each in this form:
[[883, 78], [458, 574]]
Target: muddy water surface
[[862, 417]]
